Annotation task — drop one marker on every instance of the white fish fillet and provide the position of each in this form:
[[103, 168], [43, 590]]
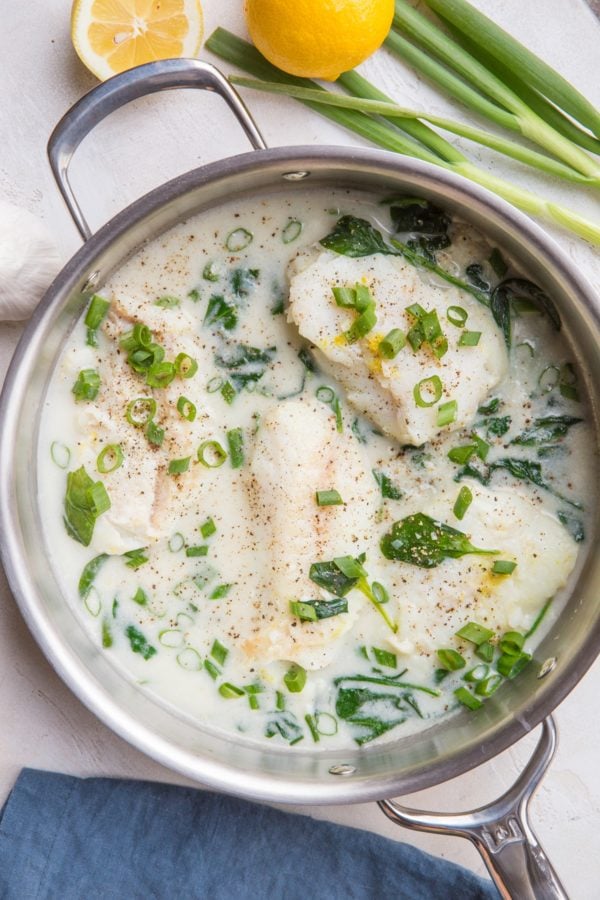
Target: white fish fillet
[[299, 452], [383, 389]]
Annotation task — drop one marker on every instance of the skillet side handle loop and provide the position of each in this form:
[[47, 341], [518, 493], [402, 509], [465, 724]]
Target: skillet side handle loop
[[501, 831], [107, 97]]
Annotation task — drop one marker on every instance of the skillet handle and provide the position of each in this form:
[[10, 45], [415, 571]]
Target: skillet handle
[[104, 99], [501, 831]]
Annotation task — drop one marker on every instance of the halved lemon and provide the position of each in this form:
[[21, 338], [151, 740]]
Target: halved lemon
[[111, 36]]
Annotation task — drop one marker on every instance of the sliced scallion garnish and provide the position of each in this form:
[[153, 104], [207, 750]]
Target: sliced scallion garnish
[[328, 396], [95, 315], [189, 659], [199, 550], [185, 366], [462, 455], [457, 315], [432, 387], [230, 691], [140, 411], [475, 633], [136, 558], [312, 610], [446, 413], [451, 659], [154, 433], [208, 528], [160, 374], [208, 272], [295, 678], [487, 686], [238, 239], [179, 466], [220, 591], [140, 597], [186, 409], [110, 458], [503, 567], [464, 696], [219, 652], [477, 673], [392, 343], [463, 502], [168, 301], [469, 339], [211, 454], [328, 498], [228, 392], [291, 231], [176, 542], [60, 454], [87, 385], [235, 443]]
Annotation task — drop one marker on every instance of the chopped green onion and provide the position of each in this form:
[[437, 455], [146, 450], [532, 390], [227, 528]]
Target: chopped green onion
[[362, 326], [312, 610], [451, 660], [138, 643], [385, 658], [199, 550], [186, 409], [208, 273], [312, 727], [446, 413], [61, 455], [160, 374], [319, 717], [109, 459], [219, 652], [215, 384], [107, 638], [235, 443], [220, 591], [462, 455], [490, 684], [511, 643], [475, 633], [503, 567], [306, 612], [510, 665], [211, 454], [291, 231], [87, 385], [89, 573], [464, 696], [208, 528], [168, 302], [211, 669], [95, 315], [228, 392], [178, 466], [139, 336], [140, 411], [154, 433], [328, 396], [295, 678], [85, 501], [176, 542], [415, 309], [432, 387], [463, 502], [380, 594], [456, 315], [345, 297], [485, 651], [238, 239], [392, 343], [194, 295], [325, 394], [230, 691], [478, 673], [136, 558], [469, 339], [140, 597], [482, 448], [328, 498], [185, 366], [279, 701], [549, 378], [189, 659], [170, 637]]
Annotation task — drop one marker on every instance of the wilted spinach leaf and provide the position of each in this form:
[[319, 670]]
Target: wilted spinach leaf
[[355, 237], [545, 430], [415, 214], [243, 281], [246, 364], [221, 313], [519, 289], [388, 489], [425, 542], [327, 575], [573, 525], [474, 273]]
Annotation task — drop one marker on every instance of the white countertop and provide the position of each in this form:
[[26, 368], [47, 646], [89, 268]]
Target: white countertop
[[42, 723]]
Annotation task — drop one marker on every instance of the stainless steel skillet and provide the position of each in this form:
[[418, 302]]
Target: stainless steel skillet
[[501, 831]]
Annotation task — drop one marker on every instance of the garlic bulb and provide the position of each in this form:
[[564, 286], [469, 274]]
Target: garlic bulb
[[29, 261]]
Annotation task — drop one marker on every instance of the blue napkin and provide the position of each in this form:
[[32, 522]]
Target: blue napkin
[[81, 839]]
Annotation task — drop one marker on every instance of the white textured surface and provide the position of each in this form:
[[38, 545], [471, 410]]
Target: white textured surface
[[42, 724]]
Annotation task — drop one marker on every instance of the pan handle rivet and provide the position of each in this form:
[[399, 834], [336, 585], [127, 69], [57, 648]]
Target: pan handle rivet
[[548, 666], [91, 282], [295, 176], [342, 769]]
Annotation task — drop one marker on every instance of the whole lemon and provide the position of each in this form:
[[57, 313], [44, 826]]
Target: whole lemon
[[318, 38]]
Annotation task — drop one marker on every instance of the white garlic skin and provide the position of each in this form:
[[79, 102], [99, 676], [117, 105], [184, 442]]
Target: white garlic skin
[[29, 260]]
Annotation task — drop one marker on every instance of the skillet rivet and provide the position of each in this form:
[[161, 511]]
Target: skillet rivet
[[91, 282], [547, 666], [342, 769], [295, 176]]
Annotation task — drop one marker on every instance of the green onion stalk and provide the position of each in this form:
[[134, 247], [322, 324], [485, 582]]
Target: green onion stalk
[[408, 135]]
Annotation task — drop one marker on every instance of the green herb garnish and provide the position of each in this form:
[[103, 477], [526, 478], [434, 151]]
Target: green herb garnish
[[85, 501], [425, 542]]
